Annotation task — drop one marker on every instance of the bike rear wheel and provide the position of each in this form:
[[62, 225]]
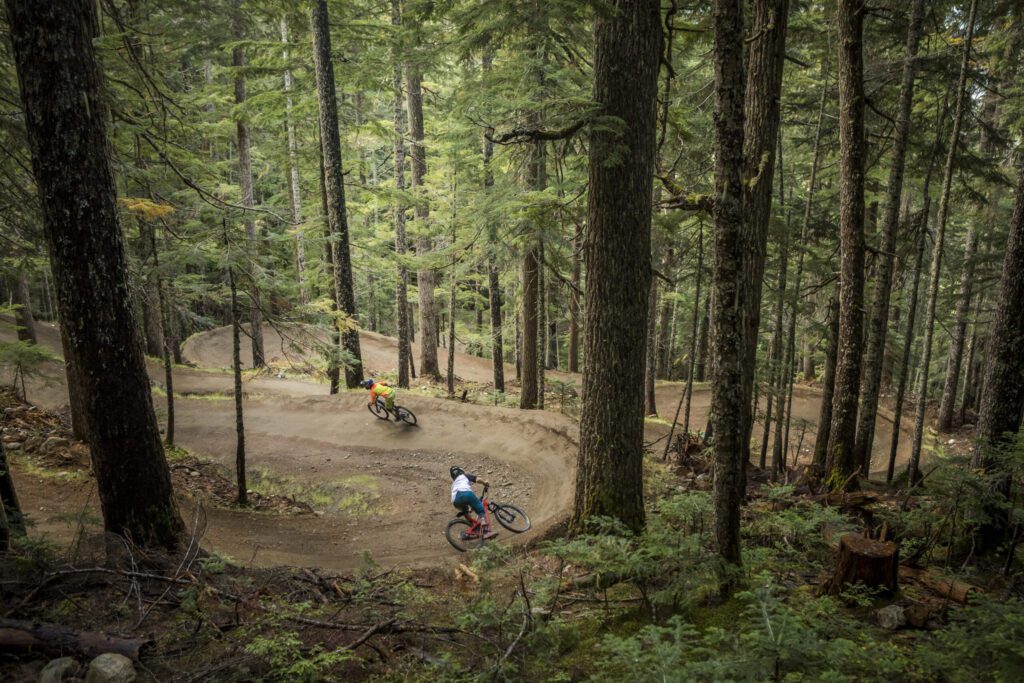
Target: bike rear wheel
[[511, 517], [456, 532], [378, 410], [405, 415]]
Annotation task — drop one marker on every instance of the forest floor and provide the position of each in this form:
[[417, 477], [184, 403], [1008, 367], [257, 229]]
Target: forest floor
[[361, 487]]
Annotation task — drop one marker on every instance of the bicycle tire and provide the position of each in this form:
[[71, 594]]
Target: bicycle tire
[[405, 415], [511, 517], [454, 533], [378, 411]]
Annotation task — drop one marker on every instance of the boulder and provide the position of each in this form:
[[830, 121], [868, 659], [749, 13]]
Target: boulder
[[891, 617], [58, 670], [11, 446], [111, 668]]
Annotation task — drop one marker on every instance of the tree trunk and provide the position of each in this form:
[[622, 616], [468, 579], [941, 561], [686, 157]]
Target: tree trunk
[[729, 401], [13, 521], [860, 560], [574, 302], [828, 384], [66, 123], [23, 318], [245, 183], [335, 189], [529, 351], [401, 287], [700, 369], [764, 61], [425, 276], [878, 323], [609, 475], [665, 317], [493, 280], [840, 460], [152, 330], [294, 190], [165, 337], [452, 292], [959, 332], [650, 362], [940, 238], [333, 370], [242, 495], [694, 334], [1002, 399]]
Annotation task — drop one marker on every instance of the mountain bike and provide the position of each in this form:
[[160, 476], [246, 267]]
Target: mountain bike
[[380, 410], [465, 532]]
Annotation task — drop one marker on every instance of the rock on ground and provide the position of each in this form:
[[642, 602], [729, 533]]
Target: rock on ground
[[891, 617], [111, 668], [58, 670]]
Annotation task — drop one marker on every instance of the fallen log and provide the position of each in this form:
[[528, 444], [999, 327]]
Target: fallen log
[[867, 561], [944, 587], [56, 640], [597, 581]]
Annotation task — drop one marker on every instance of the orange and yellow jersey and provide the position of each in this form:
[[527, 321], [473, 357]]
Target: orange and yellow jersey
[[381, 389]]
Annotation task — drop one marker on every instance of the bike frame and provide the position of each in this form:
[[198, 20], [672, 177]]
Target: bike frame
[[475, 526]]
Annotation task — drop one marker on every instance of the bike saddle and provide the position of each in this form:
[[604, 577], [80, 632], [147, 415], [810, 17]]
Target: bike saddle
[[462, 514]]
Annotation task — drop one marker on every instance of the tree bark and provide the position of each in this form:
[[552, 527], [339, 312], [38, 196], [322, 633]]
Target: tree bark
[[691, 372], [700, 369], [401, 287], [13, 521], [665, 318], [959, 332], [841, 461], [335, 190], [242, 493], [878, 324], [294, 190], [245, 183], [860, 560], [940, 238], [66, 122], [23, 318], [650, 361], [574, 301], [425, 277], [609, 475], [764, 62], [729, 401], [828, 384], [529, 353], [333, 370], [1002, 399]]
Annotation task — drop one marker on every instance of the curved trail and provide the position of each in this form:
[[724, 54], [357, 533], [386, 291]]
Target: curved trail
[[213, 349], [378, 487]]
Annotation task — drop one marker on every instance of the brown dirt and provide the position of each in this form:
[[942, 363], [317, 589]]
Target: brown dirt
[[376, 486], [379, 487]]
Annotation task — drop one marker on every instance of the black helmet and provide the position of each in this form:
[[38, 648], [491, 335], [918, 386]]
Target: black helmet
[[455, 471], [367, 383]]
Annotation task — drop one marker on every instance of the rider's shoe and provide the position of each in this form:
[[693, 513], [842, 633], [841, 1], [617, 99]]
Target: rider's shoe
[[488, 535]]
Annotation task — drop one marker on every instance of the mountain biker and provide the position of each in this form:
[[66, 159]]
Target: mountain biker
[[378, 390], [463, 497]]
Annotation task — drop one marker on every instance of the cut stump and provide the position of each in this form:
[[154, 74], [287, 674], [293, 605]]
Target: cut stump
[[867, 561]]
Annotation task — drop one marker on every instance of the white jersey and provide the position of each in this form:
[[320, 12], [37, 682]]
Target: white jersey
[[463, 482]]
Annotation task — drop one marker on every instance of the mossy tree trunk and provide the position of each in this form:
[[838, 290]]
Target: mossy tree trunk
[[617, 248], [66, 121]]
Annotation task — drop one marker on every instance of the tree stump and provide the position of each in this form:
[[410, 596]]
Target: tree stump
[[863, 560]]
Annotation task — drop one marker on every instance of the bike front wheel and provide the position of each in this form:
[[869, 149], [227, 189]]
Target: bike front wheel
[[378, 410], [457, 532], [405, 415], [511, 517]]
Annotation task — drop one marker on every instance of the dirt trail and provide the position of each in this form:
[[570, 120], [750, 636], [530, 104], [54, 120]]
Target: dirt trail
[[213, 349], [382, 488], [377, 487]]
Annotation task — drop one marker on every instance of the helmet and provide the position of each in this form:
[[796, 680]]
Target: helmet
[[455, 471], [367, 383]]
